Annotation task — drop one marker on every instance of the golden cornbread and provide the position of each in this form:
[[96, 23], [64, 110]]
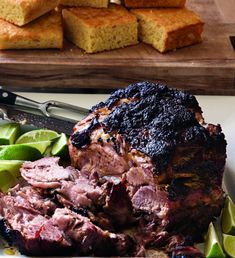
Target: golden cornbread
[[153, 3], [96, 30], [90, 3], [169, 28], [44, 32], [21, 12]]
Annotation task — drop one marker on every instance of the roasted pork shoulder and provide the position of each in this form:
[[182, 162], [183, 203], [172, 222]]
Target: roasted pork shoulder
[[154, 139]]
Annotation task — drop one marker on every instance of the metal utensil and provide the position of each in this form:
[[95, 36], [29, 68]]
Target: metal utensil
[[10, 98], [8, 113]]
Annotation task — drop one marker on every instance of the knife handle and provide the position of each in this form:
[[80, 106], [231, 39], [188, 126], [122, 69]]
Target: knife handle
[[10, 98], [7, 97]]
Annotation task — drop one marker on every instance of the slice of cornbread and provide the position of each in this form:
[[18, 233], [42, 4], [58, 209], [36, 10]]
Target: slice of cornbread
[[96, 30], [91, 3], [169, 28], [153, 3], [44, 32], [21, 12]]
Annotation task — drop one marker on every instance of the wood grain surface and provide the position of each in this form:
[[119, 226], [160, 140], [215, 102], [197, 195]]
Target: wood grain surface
[[207, 68]]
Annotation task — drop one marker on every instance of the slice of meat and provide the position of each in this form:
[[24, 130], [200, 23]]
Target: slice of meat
[[46, 173], [138, 176], [103, 159], [24, 197], [150, 200], [118, 205], [33, 198], [78, 193]]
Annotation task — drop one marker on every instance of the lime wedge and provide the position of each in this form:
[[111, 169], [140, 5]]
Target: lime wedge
[[228, 217], [213, 248], [41, 146], [60, 147], [9, 133], [7, 180], [12, 166], [37, 136], [19, 152], [229, 245], [9, 173]]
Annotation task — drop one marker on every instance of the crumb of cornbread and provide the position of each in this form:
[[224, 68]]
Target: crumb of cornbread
[[96, 30], [44, 32], [21, 12], [169, 28], [153, 3], [90, 3]]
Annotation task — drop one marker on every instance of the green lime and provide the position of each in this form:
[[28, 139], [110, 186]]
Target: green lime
[[60, 147], [41, 146], [228, 217], [37, 136], [19, 152], [7, 180], [12, 166], [9, 173], [229, 245], [213, 248], [9, 133]]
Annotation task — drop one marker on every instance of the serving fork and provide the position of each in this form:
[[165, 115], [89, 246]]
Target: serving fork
[[45, 108]]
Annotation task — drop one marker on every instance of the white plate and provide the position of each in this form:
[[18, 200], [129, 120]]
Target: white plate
[[216, 109]]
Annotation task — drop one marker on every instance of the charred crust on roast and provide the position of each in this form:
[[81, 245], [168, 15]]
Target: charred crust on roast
[[81, 139], [177, 188], [154, 121], [6, 231], [81, 211], [142, 90]]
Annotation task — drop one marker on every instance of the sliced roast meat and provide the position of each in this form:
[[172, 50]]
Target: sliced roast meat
[[102, 159], [79, 193], [105, 196], [118, 205], [72, 188], [46, 173], [29, 199], [89, 238], [35, 198], [111, 199], [23, 226], [65, 232], [150, 200], [138, 176]]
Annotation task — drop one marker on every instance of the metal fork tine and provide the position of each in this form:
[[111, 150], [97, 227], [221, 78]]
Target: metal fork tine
[[52, 103]]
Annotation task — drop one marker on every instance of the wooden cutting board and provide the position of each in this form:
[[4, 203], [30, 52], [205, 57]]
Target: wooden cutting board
[[207, 68]]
